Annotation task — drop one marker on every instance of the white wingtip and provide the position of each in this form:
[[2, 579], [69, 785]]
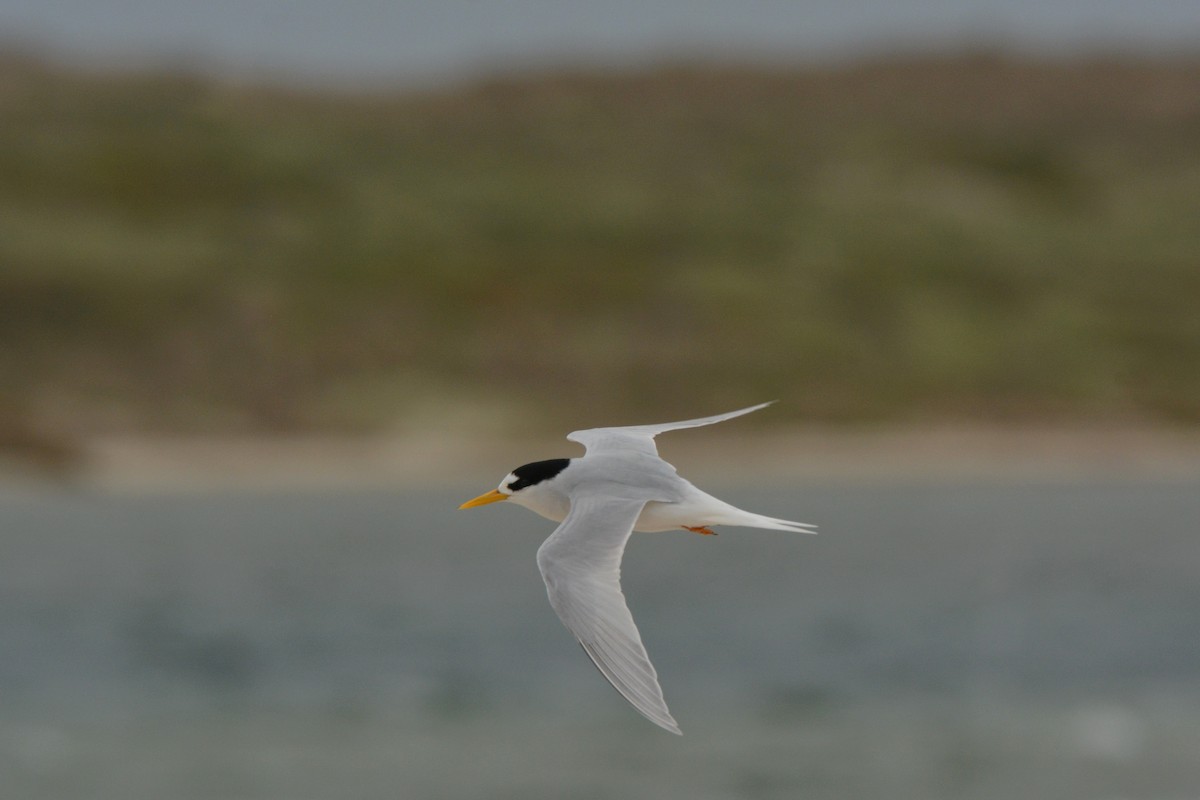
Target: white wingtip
[[636, 682]]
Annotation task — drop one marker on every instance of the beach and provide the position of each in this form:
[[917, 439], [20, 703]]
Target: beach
[[443, 456]]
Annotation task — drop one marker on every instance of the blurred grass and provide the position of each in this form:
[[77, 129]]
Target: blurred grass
[[975, 237]]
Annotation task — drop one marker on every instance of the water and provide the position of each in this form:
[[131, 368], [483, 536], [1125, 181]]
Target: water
[[936, 641]]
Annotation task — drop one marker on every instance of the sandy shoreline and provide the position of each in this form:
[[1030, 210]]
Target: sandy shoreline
[[142, 463]]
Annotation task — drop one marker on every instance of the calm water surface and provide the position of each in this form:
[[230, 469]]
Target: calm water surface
[[935, 641]]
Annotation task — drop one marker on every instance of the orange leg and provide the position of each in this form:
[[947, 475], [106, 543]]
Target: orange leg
[[700, 529]]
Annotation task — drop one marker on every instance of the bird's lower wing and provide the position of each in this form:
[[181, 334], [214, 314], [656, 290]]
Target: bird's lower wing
[[581, 564], [641, 437]]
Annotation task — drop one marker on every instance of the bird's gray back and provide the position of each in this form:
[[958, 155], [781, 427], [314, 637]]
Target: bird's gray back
[[627, 474]]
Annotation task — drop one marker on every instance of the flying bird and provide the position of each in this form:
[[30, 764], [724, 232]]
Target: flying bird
[[619, 486]]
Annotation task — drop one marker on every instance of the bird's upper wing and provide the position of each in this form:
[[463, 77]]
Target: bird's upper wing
[[641, 437], [581, 564]]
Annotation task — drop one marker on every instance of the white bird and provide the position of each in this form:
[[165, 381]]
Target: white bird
[[619, 486]]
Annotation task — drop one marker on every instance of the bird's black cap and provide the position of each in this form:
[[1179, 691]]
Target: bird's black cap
[[536, 472]]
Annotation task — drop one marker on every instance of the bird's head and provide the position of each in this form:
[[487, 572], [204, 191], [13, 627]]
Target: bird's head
[[523, 483]]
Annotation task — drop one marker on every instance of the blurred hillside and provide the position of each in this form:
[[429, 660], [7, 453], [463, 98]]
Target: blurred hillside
[[973, 238]]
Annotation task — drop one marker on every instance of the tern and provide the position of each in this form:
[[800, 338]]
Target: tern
[[619, 486]]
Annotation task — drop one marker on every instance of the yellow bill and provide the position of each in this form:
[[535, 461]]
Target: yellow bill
[[494, 496]]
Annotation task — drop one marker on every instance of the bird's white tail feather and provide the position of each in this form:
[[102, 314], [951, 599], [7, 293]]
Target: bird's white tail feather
[[783, 524], [751, 520]]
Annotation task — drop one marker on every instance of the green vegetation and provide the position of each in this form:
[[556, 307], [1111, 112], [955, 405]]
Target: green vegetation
[[910, 240]]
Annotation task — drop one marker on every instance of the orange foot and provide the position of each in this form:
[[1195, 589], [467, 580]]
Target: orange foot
[[701, 529]]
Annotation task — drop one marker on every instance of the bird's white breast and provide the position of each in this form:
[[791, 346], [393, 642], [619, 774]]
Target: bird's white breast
[[654, 517], [544, 501]]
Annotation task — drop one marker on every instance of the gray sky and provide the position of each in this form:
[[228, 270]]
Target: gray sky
[[402, 40]]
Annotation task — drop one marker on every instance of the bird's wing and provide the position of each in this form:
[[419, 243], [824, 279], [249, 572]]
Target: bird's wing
[[641, 437], [581, 564]]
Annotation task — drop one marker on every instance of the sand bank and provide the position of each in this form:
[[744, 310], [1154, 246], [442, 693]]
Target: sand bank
[[142, 463]]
